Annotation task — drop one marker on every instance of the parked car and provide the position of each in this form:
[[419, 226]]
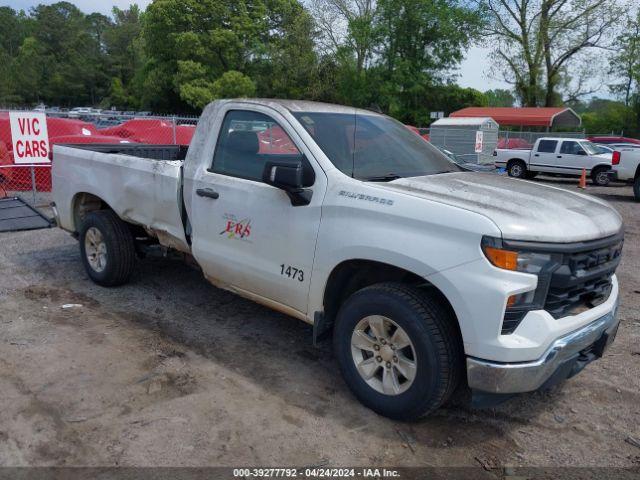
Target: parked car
[[604, 148], [106, 122], [624, 146], [78, 112], [613, 139], [627, 169], [423, 273], [518, 143], [421, 132], [564, 156]]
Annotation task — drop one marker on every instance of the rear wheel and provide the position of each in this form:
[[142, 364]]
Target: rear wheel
[[398, 349], [517, 169], [600, 177], [636, 188], [107, 248]]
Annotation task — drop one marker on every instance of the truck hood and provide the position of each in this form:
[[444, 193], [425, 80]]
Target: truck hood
[[522, 210]]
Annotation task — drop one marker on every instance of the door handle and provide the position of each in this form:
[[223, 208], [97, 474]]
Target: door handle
[[207, 192], [536, 154]]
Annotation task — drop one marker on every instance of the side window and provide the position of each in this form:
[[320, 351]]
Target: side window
[[547, 146], [571, 148], [247, 140]]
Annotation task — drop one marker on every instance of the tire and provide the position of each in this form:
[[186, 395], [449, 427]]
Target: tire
[[435, 347], [517, 169], [636, 188], [600, 177], [107, 248]]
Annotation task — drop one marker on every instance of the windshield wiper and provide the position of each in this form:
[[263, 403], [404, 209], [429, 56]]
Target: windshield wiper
[[383, 178]]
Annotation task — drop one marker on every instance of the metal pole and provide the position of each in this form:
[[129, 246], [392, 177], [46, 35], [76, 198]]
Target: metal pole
[[33, 184], [175, 140]]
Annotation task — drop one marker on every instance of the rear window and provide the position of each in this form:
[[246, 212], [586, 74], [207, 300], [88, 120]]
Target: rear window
[[547, 146]]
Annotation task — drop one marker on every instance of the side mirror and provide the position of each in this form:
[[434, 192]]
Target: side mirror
[[283, 175], [581, 152], [287, 175]]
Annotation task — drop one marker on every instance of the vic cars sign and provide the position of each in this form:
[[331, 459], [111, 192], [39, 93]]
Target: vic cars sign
[[29, 137]]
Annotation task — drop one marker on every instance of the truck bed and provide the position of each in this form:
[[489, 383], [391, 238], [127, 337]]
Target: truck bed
[[141, 183]]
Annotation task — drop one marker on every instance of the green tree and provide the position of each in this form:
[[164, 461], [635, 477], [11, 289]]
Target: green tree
[[500, 98], [608, 116], [123, 45], [28, 71], [540, 46], [253, 37], [625, 67], [14, 29], [393, 54], [72, 44]]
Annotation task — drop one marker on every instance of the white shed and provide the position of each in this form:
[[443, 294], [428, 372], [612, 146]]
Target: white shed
[[472, 138]]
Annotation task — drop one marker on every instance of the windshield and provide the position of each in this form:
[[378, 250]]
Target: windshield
[[590, 148], [372, 147]]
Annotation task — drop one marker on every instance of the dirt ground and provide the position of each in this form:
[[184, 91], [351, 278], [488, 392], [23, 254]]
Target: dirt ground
[[170, 371]]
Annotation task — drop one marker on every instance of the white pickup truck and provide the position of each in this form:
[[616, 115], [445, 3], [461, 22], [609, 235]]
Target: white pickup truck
[[564, 156], [426, 276], [626, 168]]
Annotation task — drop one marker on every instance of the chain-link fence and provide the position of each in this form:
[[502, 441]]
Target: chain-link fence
[[33, 181], [508, 139]]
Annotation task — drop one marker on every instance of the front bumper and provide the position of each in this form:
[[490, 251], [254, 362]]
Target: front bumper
[[564, 358]]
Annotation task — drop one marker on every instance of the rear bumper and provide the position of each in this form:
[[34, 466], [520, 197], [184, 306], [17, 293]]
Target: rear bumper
[[565, 357]]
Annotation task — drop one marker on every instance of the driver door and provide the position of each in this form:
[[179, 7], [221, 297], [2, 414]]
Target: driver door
[[247, 236]]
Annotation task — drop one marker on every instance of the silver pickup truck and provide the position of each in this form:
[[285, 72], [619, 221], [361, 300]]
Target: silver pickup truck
[[427, 276]]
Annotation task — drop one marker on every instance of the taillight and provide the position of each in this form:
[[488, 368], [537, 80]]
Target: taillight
[[615, 159]]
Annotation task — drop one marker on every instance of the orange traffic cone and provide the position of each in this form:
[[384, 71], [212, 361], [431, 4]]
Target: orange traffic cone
[[583, 179]]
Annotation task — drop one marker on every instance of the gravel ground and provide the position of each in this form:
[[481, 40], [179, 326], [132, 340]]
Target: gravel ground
[[170, 371]]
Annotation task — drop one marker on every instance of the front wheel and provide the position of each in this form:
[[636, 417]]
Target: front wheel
[[517, 169], [398, 349], [107, 248]]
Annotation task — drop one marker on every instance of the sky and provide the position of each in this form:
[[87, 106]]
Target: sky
[[473, 72]]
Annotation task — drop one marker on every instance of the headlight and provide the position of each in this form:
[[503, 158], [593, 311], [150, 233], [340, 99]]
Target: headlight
[[521, 259], [516, 260]]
